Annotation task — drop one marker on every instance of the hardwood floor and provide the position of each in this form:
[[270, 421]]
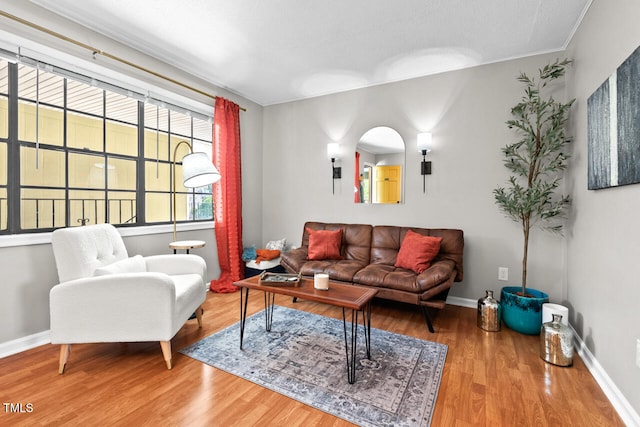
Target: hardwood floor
[[489, 379]]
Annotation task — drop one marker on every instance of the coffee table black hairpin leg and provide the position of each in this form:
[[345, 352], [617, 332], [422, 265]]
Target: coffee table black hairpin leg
[[269, 300], [366, 323], [351, 350], [243, 312]]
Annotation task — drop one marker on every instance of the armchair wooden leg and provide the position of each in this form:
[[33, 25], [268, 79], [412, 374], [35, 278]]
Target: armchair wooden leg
[[199, 312], [166, 352], [65, 349]]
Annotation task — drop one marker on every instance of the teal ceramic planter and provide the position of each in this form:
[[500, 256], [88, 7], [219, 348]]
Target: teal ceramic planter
[[522, 314]]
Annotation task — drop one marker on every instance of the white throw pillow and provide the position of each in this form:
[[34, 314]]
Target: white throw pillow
[[134, 264], [276, 244]]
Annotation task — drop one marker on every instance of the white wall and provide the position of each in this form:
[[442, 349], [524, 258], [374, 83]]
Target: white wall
[[603, 267], [465, 110]]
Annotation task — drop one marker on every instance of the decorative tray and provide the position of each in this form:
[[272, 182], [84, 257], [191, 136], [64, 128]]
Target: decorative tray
[[279, 279]]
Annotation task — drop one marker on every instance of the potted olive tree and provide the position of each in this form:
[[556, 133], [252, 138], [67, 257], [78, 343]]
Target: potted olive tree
[[530, 197]]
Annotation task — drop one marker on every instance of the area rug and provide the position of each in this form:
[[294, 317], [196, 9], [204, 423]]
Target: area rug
[[303, 357]]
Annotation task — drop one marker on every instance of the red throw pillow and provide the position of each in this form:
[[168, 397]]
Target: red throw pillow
[[417, 251], [324, 244]]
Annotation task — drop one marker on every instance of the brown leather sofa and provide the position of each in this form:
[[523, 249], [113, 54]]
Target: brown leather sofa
[[369, 254]]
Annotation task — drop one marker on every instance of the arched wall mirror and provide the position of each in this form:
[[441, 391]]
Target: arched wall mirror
[[379, 160]]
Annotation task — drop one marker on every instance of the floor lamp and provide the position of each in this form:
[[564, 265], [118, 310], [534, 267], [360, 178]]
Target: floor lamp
[[197, 171]]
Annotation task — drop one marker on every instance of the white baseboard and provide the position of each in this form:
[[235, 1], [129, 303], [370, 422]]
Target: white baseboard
[[23, 344], [462, 302], [628, 414]]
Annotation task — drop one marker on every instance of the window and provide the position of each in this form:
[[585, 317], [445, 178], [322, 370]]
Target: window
[[88, 152], [164, 130]]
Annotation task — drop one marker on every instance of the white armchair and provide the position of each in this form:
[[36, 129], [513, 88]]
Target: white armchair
[[106, 296]]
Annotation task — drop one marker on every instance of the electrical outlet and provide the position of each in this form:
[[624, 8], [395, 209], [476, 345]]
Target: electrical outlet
[[638, 353], [503, 273]]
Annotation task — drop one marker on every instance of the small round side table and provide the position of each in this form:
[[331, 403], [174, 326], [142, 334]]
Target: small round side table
[[186, 245]]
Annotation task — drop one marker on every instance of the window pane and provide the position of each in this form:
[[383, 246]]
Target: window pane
[[122, 207], [50, 124], [4, 117], [183, 150], [50, 171], [154, 143], [3, 208], [179, 183], [88, 206], [84, 132], [4, 76], [199, 146], [122, 108], [122, 138], [42, 208], [156, 117], [50, 86], [4, 92], [202, 129], [86, 171], [121, 174], [183, 208], [157, 176], [157, 208], [84, 98], [201, 206], [3, 163], [180, 124]]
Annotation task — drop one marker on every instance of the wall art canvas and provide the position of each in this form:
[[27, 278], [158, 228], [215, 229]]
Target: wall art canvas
[[613, 112]]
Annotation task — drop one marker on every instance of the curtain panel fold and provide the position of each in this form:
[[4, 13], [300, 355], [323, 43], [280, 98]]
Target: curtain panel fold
[[227, 195]]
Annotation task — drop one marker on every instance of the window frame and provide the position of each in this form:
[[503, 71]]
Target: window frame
[[14, 145]]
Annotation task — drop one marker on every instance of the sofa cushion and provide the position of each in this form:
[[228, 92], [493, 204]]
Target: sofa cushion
[[386, 241], [399, 279], [342, 270], [135, 264], [417, 251], [356, 239], [324, 244]]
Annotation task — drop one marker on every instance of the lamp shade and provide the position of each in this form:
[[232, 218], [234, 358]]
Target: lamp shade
[[198, 170], [424, 141], [333, 150]]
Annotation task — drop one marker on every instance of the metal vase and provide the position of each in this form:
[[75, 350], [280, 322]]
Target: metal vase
[[489, 313], [556, 342]]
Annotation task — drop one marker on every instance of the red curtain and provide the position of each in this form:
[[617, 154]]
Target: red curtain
[[356, 182], [227, 194]]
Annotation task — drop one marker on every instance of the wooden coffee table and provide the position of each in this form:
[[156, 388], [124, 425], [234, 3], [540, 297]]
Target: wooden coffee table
[[355, 298]]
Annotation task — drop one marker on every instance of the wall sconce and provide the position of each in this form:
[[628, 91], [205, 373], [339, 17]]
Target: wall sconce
[[333, 151], [197, 171], [424, 146]]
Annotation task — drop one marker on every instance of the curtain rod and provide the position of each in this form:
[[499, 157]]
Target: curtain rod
[[96, 51]]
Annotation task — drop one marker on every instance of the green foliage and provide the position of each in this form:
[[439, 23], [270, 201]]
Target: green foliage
[[537, 158]]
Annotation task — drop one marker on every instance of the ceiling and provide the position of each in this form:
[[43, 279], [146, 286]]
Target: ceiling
[[282, 50]]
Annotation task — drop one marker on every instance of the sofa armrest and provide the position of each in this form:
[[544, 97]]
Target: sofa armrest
[[116, 307], [439, 272], [293, 260], [177, 264]]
